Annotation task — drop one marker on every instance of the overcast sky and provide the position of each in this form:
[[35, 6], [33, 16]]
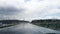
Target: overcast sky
[[29, 9]]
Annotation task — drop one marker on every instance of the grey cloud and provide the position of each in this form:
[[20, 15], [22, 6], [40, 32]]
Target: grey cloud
[[27, 0], [58, 7], [9, 10]]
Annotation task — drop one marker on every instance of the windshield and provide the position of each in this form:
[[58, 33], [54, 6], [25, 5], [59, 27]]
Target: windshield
[[29, 16]]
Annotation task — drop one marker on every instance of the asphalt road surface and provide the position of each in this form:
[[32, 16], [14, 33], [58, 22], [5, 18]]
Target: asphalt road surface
[[26, 28]]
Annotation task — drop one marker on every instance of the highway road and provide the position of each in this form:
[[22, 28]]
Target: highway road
[[26, 28]]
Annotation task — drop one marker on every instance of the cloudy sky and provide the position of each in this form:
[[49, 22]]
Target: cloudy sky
[[29, 9]]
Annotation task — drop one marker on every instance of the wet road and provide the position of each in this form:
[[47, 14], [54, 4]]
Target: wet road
[[26, 28]]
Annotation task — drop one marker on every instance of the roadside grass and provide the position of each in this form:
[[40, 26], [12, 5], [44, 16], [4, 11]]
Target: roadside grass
[[50, 26], [8, 25]]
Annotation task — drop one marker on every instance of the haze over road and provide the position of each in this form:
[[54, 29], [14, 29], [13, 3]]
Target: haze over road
[[26, 28]]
